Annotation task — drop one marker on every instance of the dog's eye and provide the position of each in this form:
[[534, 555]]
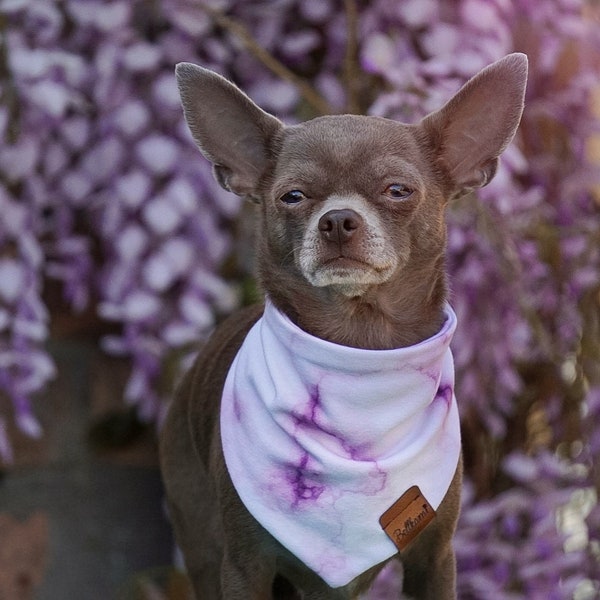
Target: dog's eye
[[293, 197], [397, 191]]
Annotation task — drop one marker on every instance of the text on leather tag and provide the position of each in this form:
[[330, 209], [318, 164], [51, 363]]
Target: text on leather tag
[[407, 517]]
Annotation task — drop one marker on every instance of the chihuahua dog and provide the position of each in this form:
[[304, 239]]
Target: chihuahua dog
[[316, 436]]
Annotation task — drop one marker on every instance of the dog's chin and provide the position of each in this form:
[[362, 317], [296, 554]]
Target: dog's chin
[[349, 277]]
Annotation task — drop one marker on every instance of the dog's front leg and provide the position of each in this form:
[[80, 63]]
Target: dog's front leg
[[246, 575], [429, 563], [427, 581], [248, 565]]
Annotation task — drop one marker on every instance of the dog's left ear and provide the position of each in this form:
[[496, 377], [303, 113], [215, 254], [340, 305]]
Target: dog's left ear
[[471, 131], [230, 130]]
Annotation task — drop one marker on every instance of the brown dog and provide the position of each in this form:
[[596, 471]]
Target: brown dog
[[351, 256]]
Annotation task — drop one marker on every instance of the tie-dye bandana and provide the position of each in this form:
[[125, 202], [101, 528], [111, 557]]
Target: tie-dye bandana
[[321, 439]]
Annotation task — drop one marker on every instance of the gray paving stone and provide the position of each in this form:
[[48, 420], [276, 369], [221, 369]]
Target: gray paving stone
[[104, 509], [106, 525]]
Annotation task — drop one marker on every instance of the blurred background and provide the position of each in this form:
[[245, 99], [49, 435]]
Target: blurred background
[[119, 253]]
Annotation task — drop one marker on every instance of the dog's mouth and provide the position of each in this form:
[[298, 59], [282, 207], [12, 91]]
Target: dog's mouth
[[346, 262], [349, 272]]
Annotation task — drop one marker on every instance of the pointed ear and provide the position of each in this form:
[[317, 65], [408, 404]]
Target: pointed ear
[[471, 131], [230, 130]]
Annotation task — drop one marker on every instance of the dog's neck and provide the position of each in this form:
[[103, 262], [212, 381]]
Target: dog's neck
[[399, 313]]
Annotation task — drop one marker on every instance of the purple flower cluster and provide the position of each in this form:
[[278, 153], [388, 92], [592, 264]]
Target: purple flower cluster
[[102, 189], [527, 541]]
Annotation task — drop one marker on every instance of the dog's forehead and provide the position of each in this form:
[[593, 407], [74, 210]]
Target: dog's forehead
[[347, 134], [342, 141]]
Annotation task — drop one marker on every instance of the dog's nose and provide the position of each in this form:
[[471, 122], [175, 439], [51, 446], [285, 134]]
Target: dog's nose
[[339, 225]]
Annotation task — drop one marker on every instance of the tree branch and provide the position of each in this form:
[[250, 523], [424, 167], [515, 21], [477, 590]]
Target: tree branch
[[351, 71], [310, 95]]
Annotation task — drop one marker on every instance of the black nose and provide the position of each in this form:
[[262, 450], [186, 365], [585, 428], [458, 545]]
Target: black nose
[[339, 225]]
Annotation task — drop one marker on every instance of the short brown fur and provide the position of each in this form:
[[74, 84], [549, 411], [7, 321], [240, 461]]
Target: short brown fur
[[356, 259]]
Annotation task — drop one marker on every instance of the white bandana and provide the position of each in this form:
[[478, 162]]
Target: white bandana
[[321, 439]]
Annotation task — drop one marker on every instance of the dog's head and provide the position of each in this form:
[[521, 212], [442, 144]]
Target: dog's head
[[353, 206]]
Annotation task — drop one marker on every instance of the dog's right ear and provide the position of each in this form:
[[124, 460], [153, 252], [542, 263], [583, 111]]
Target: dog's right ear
[[230, 130], [471, 131]]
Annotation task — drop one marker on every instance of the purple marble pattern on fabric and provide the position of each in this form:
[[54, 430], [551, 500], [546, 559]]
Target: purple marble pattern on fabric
[[237, 407], [432, 374], [303, 481], [303, 475], [445, 391], [320, 439]]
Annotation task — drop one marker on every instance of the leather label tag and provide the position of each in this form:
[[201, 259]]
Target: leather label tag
[[407, 517]]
